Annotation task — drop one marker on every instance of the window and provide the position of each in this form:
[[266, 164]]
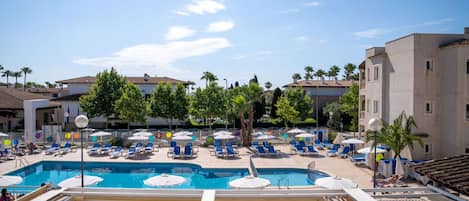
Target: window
[[376, 73], [428, 107], [429, 65], [368, 105], [428, 148], [363, 105], [368, 72], [467, 112], [467, 66], [375, 106], [364, 76]]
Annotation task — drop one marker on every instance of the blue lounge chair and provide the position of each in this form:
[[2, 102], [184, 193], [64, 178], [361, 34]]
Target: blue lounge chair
[[139, 147], [177, 152], [54, 148], [148, 148], [266, 144], [302, 143], [311, 149], [271, 151], [300, 150], [344, 152], [94, 149], [188, 151], [334, 150], [67, 148], [106, 149], [358, 158], [254, 144], [131, 153], [326, 144], [230, 151], [219, 151], [261, 151], [318, 144], [116, 153]]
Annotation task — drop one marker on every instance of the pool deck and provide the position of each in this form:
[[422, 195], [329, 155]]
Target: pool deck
[[334, 166]]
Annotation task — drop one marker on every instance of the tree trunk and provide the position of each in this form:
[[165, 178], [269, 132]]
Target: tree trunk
[[243, 130], [250, 122], [24, 83], [8, 83]]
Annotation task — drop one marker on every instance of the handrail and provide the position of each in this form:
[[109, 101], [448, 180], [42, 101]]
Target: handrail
[[252, 168], [21, 162]]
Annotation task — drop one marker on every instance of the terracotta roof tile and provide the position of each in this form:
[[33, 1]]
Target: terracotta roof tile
[[134, 80], [319, 83], [13, 98]]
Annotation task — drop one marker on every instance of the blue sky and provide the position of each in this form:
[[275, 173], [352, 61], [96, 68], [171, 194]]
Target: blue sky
[[234, 39]]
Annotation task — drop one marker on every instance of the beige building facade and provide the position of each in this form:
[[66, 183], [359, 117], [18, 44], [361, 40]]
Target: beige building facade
[[427, 76]]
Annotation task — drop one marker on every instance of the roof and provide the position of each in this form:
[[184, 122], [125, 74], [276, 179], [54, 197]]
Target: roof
[[450, 172], [455, 43], [11, 98], [73, 97], [46, 90], [134, 80], [319, 83]]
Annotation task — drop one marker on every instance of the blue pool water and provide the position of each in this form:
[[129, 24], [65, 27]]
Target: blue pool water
[[132, 175]]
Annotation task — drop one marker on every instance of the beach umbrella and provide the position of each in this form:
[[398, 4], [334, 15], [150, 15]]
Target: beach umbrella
[[224, 137], [101, 134], [305, 135], [3, 135], [222, 133], [143, 133], [249, 182], [10, 180], [138, 138], [353, 141], [399, 167], [338, 139], [182, 138], [180, 133], [265, 137], [296, 131], [335, 183], [258, 133], [164, 180], [369, 150], [76, 181]]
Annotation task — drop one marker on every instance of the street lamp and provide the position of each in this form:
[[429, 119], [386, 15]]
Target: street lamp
[[81, 121], [374, 125], [226, 114]]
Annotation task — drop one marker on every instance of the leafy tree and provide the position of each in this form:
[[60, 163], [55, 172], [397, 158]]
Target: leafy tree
[[7, 74], [17, 75], [349, 70], [50, 85], [286, 112], [236, 84], [131, 106], [241, 106], [276, 96], [336, 110], [350, 103], [180, 104], [208, 77], [34, 85], [26, 70], [333, 71], [161, 101], [103, 94], [1, 67], [355, 76], [397, 135], [300, 101], [268, 85], [308, 73], [259, 109], [296, 77], [254, 79], [208, 103], [320, 73], [253, 93]]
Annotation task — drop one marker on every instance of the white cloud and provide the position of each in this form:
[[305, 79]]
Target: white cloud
[[312, 4], [178, 32], [370, 33], [181, 13], [202, 7], [301, 38], [438, 22], [220, 26], [288, 11], [157, 58]]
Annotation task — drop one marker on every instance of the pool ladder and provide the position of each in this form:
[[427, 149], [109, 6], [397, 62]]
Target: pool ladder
[[286, 182], [21, 162]]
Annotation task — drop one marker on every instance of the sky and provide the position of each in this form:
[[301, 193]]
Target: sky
[[234, 39]]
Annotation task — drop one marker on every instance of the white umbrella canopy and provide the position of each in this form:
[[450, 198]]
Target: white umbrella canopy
[[180, 133], [305, 135], [143, 133], [182, 138], [222, 133], [265, 137], [353, 141], [296, 131], [258, 133], [249, 182], [138, 138], [338, 139], [3, 135], [101, 134], [88, 130], [10, 180], [399, 167], [224, 137], [368, 150], [164, 180], [76, 181], [335, 183]]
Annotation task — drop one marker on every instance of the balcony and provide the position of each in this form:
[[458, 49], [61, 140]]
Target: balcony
[[362, 114], [362, 84]]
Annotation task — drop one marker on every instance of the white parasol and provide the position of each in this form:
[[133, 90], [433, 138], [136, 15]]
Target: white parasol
[[76, 181], [249, 182], [164, 180], [335, 183]]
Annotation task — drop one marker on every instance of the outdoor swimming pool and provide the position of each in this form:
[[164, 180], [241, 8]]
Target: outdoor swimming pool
[[132, 175]]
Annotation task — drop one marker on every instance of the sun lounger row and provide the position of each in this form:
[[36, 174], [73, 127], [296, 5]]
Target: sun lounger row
[[229, 151], [265, 149], [176, 152], [55, 149]]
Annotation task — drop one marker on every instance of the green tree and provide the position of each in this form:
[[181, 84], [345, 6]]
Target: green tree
[[286, 112], [333, 71], [50, 85], [350, 103], [161, 101], [397, 135], [268, 85], [336, 110], [275, 97], [1, 67], [26, 70], [131, 106], [241, 106], [253, 94], [208, 103], [7, 74], [349, 70], [180, 104], [300, 101], [17, 75], [208, 77], [296, 77], [309, 72], [320, 74], [103, 94]]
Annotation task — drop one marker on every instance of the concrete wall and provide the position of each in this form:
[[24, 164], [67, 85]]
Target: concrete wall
[[30, 107]]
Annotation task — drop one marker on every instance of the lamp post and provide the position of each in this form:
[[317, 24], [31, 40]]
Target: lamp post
[[226, 114], [81, 121], [374, 125]]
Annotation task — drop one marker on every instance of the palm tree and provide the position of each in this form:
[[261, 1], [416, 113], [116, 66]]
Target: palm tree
[[17, 75], [296, 77], [320, 73], [7, 73], [241, 106], [253, 94], [26, 70], [348, 70], [333, 71], [268, 85], [208, 77], [397, 135], [309, 73], [1, 67]]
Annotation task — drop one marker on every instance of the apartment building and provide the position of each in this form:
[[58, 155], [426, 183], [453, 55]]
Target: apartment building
[[427, 76]]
